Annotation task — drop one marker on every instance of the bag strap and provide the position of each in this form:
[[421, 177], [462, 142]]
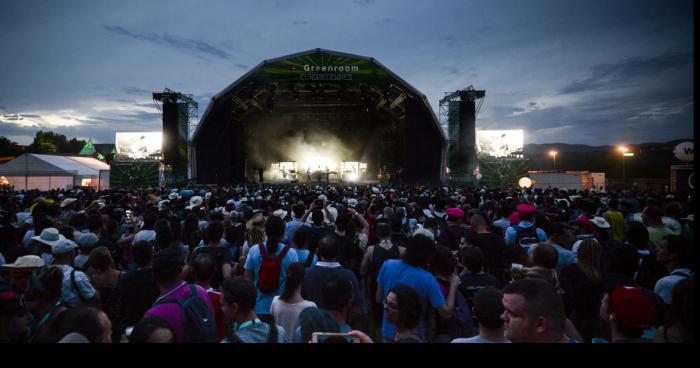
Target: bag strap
[[680, 273], [272, 335], [263, 252], [75, 286], [309, 259], [282, 253]]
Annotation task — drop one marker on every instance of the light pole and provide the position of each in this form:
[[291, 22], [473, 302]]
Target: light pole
[[624, 150], [554, 158]]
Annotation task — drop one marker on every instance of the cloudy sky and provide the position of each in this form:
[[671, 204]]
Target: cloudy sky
[[592, 72]]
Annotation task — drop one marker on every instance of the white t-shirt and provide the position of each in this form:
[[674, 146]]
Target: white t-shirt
[[68, 292], [287, 315], [664, 287]]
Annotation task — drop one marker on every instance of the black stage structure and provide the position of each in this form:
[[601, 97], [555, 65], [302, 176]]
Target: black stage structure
[[315, 97]]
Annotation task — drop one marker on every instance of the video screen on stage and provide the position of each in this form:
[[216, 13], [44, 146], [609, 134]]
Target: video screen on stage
[[139, 146], [499, 143]]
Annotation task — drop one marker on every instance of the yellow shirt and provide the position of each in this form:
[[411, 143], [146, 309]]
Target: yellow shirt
[[617, 224]]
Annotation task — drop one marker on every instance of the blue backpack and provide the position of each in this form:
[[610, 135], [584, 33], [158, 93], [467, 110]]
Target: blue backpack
[[461, 324], [200, 326]]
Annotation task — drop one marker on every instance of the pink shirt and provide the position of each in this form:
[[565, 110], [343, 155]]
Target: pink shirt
[[172, 312]]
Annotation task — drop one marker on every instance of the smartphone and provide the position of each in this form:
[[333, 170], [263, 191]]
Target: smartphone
[[333, 337]]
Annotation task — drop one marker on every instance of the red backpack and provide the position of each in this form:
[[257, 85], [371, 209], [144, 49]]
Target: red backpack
[[270, 269]]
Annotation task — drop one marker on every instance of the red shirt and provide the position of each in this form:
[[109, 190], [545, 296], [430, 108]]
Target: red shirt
[[215, 299]]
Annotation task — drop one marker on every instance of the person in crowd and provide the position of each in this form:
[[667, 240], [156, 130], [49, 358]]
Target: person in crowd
[[533, 313], [15, 319], [137, 287], [106, 281], [286, 308], [411, 270], [443, 265], [525, 233], [239, 304], [558, 236], [487, 308], [651, 216], [90, 323], [204, 269], [77, 289], [474, 278], [332, 316], [45, 297], [265, 266], [676, 254], [544, 255], [374, 259], [167, 270], [403, 308], [300, 243], [214, 235], [493, 246], [650, 270], [679, 327], [626, 312], [86, 243], [616, 220], [147, 232], [582, 283], [290, 228]]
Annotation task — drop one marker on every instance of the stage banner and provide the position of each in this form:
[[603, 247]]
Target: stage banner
[[323, 67]]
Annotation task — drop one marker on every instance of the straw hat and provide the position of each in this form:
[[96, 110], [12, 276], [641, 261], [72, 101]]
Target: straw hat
[[67, 201], [49, 236]]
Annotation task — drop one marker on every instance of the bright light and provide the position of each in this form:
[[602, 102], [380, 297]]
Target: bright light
[[352, 177], [499, 143], [139, 145], [553, 153], [628, 154], [623, 149], [525, 182]]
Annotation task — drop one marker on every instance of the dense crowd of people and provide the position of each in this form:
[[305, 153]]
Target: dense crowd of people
[[339, 263]]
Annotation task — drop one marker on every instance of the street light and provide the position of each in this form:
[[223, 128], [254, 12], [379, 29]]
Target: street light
[[623, 150], [554, 158]]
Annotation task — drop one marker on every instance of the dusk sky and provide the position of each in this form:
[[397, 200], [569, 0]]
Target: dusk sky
[[591, 72]]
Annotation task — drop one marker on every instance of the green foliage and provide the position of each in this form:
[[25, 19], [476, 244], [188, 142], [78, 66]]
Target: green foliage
[[50, 142], [10, 148], [503, 173]]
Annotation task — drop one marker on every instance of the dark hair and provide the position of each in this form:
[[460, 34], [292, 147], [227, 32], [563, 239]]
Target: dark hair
[[190, 229], [241, 291], [167, 265], [83, 320], [540, 300], [654, 213], [419, 250], [48, 281], [149, 220], [164, 234], [78, 220], [430, 223], [176, 228], [443, 261], [328, 248], [488, 307], [300, 237], [342, 223], [557, 228], [142, 253], [145, 328], [383, 230], [94, 222], [396, 223], [317, 217], [336, 293], [295, 276], [624, 260], [298, 210], [67, 231], [100, 259], [473, 259], [204, 267], [681, 247], [274, 229], [545, 255], [214, 231], [409, 306]]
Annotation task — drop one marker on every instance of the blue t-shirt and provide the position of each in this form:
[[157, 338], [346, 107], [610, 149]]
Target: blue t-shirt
[[395, 272], [511, 234], [291, 227], [254, 261], [565, 258], [303, 255]]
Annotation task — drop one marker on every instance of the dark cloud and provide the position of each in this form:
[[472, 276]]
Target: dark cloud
[[166, 39], [612, 75], [300, 22]]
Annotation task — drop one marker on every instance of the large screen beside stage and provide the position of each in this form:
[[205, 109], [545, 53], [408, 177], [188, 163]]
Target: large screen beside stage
[[499, 143], [139, 146]]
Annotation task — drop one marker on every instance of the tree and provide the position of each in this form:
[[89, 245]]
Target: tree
[[50, 142], [10, 148]]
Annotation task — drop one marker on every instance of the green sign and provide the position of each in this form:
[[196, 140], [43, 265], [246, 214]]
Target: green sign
[[322, 67], [88, 149]]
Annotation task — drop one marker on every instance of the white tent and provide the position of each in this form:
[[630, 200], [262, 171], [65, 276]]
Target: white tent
[[44, 172]]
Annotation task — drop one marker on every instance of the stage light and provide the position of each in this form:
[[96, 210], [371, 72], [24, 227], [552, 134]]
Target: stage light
[[352, 177]]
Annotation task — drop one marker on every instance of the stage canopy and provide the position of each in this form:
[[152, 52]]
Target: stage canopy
[[316, 107]]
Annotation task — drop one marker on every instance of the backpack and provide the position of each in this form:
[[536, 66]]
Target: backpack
[[200, 326], [461, 324], [526, 236], [270, 270], [271, 335]]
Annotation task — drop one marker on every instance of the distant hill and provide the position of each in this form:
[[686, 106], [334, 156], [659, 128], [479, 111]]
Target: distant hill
[[651, 160]]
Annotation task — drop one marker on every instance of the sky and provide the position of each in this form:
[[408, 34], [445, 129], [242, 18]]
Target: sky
[[593, 72]]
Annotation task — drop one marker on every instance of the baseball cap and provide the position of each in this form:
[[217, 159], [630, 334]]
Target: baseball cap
[[525, 208], [632, 308], [455, 212]]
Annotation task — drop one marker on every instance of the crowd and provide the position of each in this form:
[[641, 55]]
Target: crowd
[[336, 263]]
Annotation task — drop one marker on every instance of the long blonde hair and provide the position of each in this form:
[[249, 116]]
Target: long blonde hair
[[589, 259]]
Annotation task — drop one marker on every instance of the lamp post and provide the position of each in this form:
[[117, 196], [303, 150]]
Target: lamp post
[[554, 158], [623, 150]]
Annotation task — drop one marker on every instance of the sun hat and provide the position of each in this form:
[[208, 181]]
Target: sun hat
[[195, 201], [63, 246], [25, 262], [67, 201], [87, 240], [600, 222], [49, 236]]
